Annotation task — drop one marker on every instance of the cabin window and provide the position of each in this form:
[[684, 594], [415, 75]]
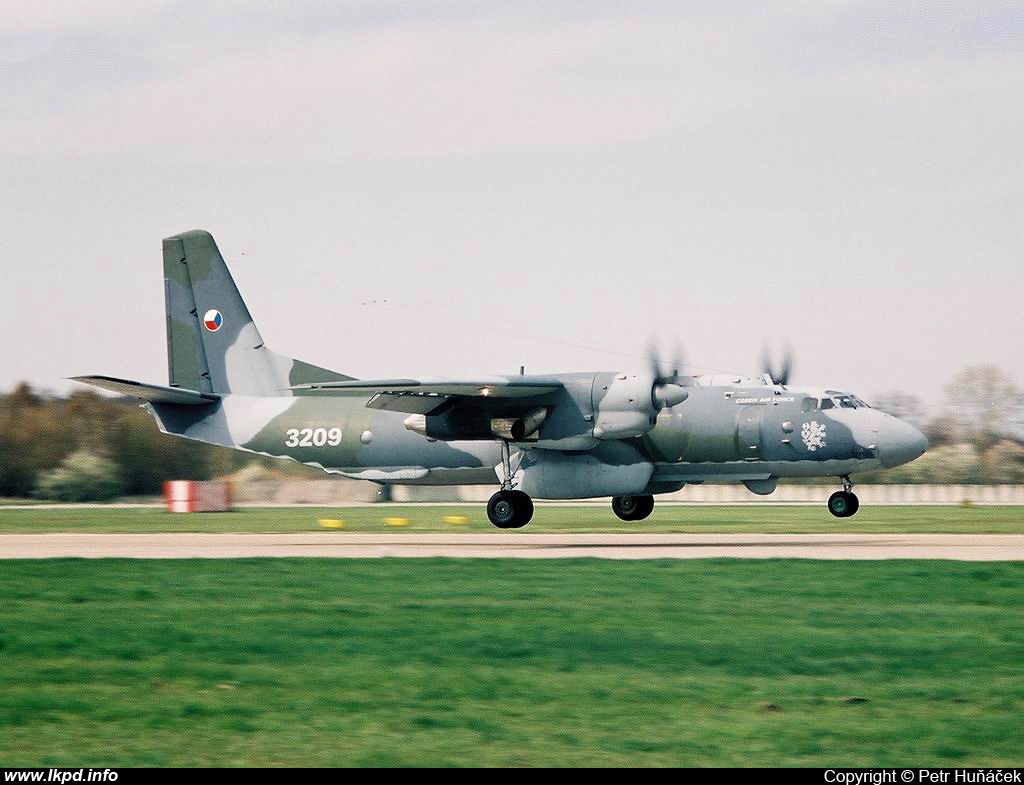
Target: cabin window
[[826, 403], [809, 404]]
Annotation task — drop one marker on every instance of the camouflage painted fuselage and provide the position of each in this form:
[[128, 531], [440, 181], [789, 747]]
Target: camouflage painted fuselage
[[745, 432]]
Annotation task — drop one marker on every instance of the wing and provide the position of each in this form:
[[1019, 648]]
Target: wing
[[429, 396], [153, 393]]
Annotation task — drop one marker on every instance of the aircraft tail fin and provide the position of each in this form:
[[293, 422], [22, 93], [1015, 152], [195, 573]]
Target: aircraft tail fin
[[213, 345]]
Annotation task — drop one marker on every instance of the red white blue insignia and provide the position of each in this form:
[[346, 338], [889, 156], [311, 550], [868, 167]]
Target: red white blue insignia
[[212, 321]]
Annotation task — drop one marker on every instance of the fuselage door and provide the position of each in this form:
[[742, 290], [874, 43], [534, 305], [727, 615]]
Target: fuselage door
[[748, 433]]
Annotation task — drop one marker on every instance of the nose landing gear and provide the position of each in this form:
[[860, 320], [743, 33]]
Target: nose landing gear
[[632, 508], [844, 503]]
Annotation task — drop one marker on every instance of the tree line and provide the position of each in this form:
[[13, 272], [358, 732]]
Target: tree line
[[86, 446], [975, 436]]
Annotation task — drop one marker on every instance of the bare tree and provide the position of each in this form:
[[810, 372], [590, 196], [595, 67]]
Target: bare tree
[[903, 405], [980, 401]]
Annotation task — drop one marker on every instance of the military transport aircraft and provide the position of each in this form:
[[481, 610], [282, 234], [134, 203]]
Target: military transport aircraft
[[564, 436]]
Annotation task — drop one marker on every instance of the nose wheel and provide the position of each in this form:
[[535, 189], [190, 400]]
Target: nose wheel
[[632, 508], [844, 503]]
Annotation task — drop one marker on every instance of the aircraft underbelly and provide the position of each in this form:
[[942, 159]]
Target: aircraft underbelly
[[739, 471], [421, 475]]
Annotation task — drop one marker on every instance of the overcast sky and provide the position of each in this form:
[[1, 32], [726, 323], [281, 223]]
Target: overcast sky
[[548, 184]]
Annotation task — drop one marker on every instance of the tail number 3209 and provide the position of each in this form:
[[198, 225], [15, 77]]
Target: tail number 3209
[[312, 437]]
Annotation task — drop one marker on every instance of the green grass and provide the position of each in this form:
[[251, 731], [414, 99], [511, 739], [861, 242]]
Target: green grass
[[763, 519], [310, 662]]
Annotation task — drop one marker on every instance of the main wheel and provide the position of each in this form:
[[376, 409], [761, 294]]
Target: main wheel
[[843, 504], [510, 509], [644, 507], [854, 504], [632, 508]]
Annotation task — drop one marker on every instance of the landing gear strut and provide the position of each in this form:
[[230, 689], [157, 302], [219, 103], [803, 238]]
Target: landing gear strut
[[844, 503], [509, 508], [632, 508]]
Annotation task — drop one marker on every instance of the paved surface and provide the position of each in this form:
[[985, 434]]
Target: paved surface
[[517, 545]]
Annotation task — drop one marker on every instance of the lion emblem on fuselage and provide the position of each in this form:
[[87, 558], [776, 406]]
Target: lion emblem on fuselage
[[813, 435]]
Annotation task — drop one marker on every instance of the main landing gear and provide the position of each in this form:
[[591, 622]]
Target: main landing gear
[[509, 508], [844, 503], [632, 508]]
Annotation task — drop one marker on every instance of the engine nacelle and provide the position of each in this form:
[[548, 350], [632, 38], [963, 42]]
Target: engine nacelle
[[629, 406], [478, 426]]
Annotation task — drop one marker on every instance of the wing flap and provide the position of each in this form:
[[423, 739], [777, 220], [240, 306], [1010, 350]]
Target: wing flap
[[492, 387], [151, 393], [408, 402]]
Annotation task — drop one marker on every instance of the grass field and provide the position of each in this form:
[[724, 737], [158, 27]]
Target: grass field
[[308, 662], [760, 518]]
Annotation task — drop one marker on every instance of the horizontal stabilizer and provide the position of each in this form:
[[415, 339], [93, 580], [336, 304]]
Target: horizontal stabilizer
[[152, 393]]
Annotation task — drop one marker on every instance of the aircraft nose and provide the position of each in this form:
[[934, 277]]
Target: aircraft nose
[[899, 442]]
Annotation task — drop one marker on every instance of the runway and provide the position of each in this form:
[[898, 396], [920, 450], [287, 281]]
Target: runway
[[515, 545]]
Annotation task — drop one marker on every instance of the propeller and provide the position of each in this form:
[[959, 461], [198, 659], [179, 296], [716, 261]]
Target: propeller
[[666, 373], [666, 390], [781, 374]]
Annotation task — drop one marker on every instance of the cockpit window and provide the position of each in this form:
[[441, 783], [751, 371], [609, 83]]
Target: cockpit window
[[834, 399]]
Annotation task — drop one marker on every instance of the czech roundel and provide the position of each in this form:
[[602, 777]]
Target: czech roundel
[[213, 320]]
